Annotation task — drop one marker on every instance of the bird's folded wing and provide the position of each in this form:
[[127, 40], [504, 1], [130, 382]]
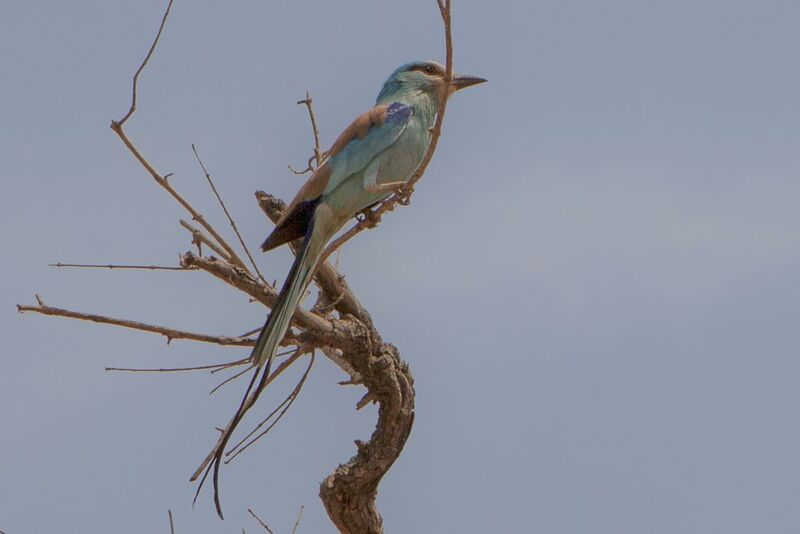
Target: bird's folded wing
[[370, 134]]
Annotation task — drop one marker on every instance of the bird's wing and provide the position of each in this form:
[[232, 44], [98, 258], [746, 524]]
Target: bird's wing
[[370, 134]]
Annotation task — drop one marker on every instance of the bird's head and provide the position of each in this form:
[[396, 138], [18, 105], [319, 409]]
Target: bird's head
[[422, 77]]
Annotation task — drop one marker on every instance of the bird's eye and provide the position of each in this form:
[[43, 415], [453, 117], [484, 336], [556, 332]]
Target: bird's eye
[[429, 69]]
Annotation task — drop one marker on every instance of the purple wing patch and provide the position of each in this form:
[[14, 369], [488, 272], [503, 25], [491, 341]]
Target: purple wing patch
[[398, 112]]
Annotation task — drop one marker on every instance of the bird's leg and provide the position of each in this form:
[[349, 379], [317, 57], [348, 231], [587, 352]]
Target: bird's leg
[[404, 194], [369, 217]]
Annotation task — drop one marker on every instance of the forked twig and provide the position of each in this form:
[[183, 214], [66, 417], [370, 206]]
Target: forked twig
[[199, 237]]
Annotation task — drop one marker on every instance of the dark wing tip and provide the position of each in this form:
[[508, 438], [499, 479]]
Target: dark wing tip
[[295, 225]]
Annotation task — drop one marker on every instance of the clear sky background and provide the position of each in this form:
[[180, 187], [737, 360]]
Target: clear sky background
[[596, 284]]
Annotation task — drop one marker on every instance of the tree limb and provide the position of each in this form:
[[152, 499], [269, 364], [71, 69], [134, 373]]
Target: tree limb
[[169, 333]]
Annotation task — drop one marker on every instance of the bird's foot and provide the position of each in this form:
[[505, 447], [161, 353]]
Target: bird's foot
[[369, 218], [404, 195]]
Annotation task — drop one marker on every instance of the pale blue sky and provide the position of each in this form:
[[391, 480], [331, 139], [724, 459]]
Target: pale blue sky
[[595, 285]]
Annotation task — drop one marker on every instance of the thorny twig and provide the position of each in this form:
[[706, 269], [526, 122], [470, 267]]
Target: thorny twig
[[115, 266], [213, 367], [169, 333]]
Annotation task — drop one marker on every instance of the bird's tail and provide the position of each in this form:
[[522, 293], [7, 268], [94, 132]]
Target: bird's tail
[[317, 235], [293, 288]]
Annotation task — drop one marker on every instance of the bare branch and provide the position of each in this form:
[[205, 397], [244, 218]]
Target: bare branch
[[260, 521], [214, 366], [171, 524], [116, 126], [227, 214], [114, 266], [144, 63], [317, 331], [169, 333]]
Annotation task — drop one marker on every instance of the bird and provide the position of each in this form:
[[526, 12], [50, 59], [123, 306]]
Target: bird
[[373, 158]]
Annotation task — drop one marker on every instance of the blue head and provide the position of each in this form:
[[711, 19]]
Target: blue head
[[421, 79]]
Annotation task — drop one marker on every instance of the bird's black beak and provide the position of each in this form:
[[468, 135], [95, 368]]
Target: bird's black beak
[[462, 81]]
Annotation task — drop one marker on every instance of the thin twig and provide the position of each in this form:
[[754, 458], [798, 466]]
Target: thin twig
[[403, 198], [324, 331], [297, 523], [171, 524], [260, 521], [169, 333], [309, 103], [240, 373], [251, 332], [227, 214], [144, 63], [115, 266], [215, 366], [229, 379]]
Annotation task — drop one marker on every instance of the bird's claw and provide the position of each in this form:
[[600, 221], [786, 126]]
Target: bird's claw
[[404, 195], [369, 218]]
